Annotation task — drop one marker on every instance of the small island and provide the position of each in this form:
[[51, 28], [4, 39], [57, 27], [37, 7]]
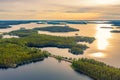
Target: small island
[[107, 27], [115, 31], [76, 22], [62, 28], [15, 52]]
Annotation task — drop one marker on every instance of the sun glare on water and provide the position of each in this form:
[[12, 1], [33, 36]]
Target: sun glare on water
[[98, 55], [102, 36]]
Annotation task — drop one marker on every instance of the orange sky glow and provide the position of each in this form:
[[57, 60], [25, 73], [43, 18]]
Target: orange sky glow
[[60, 9]]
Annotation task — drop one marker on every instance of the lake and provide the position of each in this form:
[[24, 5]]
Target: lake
[[105, 48], [49, 69]]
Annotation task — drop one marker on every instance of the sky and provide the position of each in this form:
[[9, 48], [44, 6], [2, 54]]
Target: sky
[[59, 9]]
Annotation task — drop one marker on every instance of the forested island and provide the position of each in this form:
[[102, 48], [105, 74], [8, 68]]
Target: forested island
[[57, 29], [59, 22], [15, 52], [115, 31], [18, 51], [95, 69], [31, 38]]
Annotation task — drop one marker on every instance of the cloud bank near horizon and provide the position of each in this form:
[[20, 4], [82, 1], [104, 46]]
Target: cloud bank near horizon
[[60, 9]]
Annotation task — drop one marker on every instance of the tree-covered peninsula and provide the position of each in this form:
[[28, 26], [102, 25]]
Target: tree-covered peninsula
[[95, 69], [13, 55], [18, 51]]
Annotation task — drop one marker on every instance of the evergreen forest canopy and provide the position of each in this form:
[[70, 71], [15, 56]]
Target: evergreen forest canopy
[[18, 51], [57, 29], [31, 38], [95, 69]]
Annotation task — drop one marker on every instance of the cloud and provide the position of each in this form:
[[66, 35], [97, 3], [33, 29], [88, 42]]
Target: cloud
[[2, 10], [69, 7]]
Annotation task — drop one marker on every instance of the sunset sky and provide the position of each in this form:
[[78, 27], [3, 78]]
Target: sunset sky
[[60, 9]]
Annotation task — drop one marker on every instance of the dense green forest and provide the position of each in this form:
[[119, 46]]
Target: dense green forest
[[22, 32], [13, 55], [0, 36], [24, 50], [57, 29], [18, 51], [115, 31], [95, 69], [31, 38]]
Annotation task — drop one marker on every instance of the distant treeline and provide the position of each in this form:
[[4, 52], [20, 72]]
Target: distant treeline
[[7, 24], [115, 22]]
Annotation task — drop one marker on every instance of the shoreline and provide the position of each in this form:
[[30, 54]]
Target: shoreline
[[22, 63]]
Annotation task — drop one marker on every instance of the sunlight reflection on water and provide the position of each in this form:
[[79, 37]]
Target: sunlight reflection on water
[[98, 55], [102, 36]]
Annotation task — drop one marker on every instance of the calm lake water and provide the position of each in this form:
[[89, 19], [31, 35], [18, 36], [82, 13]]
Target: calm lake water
[[49, 69], [105, 48]]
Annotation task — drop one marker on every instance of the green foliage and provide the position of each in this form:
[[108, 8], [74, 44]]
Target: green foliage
[[0, 36], [18, 51], [30, 38], [96, 69], [12, 54], [84, 39], [57, 29], [23, 33], [76, 50], [39, 41], [115, 31], [58, 58]]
